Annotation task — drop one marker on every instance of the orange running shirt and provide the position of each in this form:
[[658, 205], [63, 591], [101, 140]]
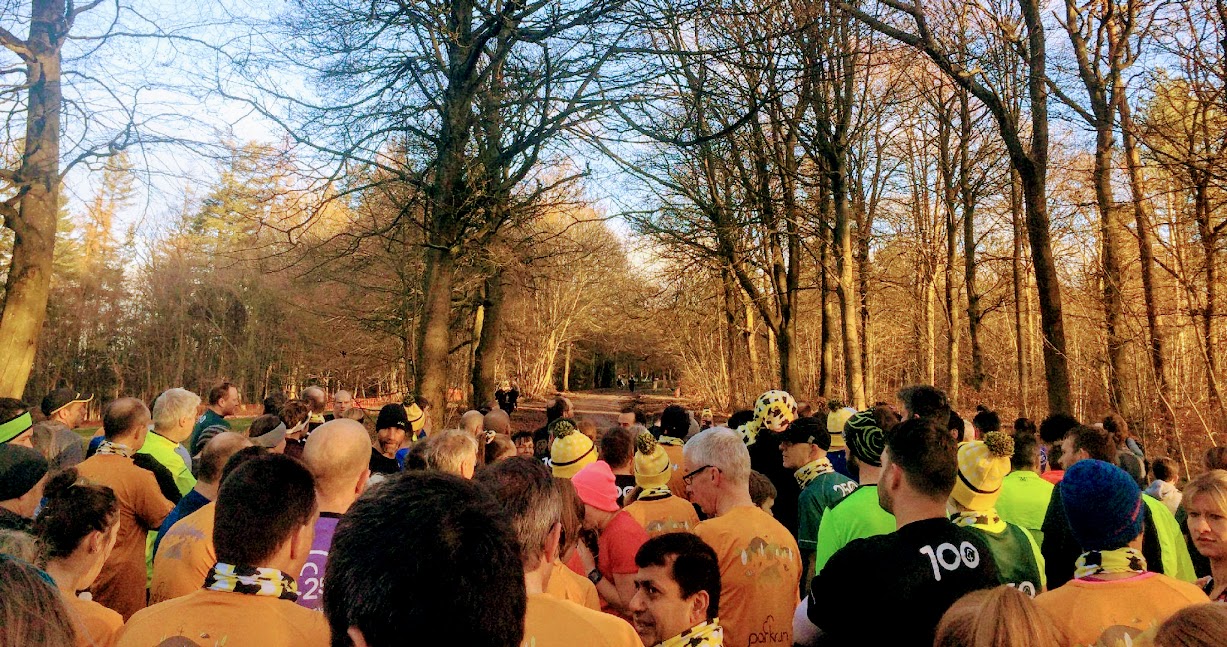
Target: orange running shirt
[[209, 618], [121, 585], [568, 585], [184, 557], [760, 571], [659, 516], [676, 484], [96, 625], [1091, 612], [550, 622]]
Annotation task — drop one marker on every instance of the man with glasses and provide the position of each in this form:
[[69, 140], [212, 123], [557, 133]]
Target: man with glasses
[[760, 564]]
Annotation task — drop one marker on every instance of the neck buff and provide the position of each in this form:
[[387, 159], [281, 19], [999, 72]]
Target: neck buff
[[251, 580], [749, 432], [670, 440], [1120, 560], [708, 634], [813, 470], [108, 447], [983, 519], [655, 493]]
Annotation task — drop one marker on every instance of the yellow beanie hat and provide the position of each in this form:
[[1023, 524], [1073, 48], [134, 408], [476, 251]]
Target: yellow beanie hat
[[652, 467], [571, 450], [982, 468]]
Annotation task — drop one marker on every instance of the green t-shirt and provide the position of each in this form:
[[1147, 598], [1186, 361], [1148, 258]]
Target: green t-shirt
[[206, 420], [823, 492], [1018, 558], [1176, 560], [1024, 501], [856, 516]]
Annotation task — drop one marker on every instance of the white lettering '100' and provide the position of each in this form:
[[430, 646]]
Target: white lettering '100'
[[950, 558]]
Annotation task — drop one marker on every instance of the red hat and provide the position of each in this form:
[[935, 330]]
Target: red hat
[[595, 486]]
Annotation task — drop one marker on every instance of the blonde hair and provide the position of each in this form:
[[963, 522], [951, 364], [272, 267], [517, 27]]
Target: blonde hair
[[32, 612], [999, 617], [1212, 484], [448, 451], [1201, 625]]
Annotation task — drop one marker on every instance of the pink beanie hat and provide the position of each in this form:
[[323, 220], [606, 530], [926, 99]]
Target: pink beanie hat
[[595, 486]]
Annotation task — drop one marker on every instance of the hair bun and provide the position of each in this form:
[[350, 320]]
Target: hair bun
[[60, 483]]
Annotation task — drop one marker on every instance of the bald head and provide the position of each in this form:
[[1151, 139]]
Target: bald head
[[473, 422], [316, 397], [338, 453], [126, 420], [216, 452], [498, 421]]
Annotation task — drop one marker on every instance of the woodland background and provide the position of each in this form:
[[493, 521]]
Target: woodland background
[[1021, 202]]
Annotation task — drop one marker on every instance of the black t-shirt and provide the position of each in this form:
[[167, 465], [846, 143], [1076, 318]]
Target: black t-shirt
[[767, 459], [893, 589], [381, 464], [625, 483]]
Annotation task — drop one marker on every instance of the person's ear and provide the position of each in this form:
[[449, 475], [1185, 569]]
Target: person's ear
[[552, 542], [698, 607], [356, 637], [301, 540], [187, 420], [96, 542], [363, 481]]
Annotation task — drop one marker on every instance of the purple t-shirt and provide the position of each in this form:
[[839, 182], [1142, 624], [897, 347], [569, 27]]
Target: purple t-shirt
[[311, 578]]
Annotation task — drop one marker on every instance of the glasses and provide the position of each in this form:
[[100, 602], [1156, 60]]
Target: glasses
[[690, 477]]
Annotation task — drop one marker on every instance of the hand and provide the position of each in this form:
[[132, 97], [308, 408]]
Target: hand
[[586, 558]]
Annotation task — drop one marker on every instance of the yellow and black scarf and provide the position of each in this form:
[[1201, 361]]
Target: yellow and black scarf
[[654, 493], [987, 520], [1120, 560], [108, 447], [813, 470], [251, 580], [670, 440], [708, 634]]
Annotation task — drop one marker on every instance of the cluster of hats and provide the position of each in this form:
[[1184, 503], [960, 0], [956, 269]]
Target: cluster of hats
[[570, 451], [983, 465]]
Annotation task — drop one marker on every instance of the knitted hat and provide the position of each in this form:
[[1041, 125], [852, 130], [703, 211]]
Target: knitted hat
[[417, 419], [571, 450], [652, 466], [983, 465], [865, 437], [1103, 505], [807, 430], [394, 416], [595, 486], [21, 468], [775, 410], [835, 425]]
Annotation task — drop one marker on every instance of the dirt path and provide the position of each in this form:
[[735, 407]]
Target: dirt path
[[602, 407]]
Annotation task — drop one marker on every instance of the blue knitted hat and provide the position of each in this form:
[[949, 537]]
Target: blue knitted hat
[[1103, 504]]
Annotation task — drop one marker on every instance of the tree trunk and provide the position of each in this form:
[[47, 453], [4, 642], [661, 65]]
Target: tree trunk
[[849, 303], [1021, 296], [28, 284], [490, 343], [434, 338], [1146, 257], [735, 371], [1056, 364], [1119, 390], [967, 193], [826, 374]]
